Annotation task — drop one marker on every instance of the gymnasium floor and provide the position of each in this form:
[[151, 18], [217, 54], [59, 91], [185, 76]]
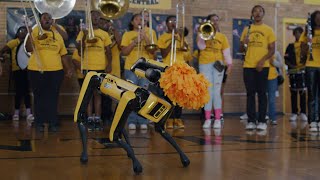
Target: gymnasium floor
[[285, 151]]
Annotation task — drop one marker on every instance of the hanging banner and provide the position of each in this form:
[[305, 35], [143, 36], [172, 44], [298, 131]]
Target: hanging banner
[[151, 4]]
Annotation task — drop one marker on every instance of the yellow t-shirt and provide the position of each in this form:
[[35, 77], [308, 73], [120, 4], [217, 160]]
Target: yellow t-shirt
[[13, 45], [164, 41], [273, 73], [49, 50], [76, 57], [127, 39], [214, 49], [315, 49], [259, 39], [94, 53]]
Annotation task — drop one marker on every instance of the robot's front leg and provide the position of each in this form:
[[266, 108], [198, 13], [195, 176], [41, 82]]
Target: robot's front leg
[[159, 127], [127, 104], [91, 83]]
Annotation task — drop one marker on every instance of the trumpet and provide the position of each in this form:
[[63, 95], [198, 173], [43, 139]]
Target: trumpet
[[207, 31]]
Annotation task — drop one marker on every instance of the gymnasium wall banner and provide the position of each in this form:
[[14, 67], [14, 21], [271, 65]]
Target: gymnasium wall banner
[[151, 4]]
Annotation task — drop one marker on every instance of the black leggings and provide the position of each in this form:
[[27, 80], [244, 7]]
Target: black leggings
[[21, 88], [46, 87]]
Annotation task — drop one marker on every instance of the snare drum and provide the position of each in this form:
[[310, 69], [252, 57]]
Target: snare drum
[[22, 57], [297, 80]]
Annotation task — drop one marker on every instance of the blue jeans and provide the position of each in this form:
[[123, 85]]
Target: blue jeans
[[134, 118], [272, 88]]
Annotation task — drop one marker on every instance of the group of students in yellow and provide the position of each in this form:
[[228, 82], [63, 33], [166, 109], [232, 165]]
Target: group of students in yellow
[[101, 53]]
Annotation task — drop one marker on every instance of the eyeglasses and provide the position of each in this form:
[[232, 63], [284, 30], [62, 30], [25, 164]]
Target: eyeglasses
[[172, 21]]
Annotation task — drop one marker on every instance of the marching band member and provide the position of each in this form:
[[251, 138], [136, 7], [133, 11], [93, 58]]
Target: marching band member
[[164, 43], [312, 67], [293, 61], [96, 57], [147, 27], [132, 46], [260, 43], [46, 72], [20, 76], [213, 52]]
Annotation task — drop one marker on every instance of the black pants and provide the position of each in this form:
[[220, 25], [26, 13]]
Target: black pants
[[46, 87], [313, 84], [256, 82], [106, 113], [176, 113], [21, 88], [294, 101]]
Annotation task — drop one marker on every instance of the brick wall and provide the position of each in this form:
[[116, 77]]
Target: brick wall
[[235, 100]]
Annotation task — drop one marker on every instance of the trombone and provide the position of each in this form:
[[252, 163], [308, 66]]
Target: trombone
[[152, 47], [179, 7]]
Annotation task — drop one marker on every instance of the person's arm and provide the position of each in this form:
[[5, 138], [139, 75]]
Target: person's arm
[[4, 50], [288, 56], [61, 31], [268, 56], [244, 40], [67, 65], [126, 50], [117, 37], [108, 54], [0, 68], [278, 60]]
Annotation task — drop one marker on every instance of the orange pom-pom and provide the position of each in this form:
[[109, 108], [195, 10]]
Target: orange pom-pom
[[184, 86]]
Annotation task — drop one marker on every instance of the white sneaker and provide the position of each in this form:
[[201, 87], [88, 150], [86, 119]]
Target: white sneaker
[[244, 116], [262, 126], [30, 118], [206, 124], [15, 117], [267, 117], [250, 126], [293, 117], [217, 124], [303, 117], [132, 127], [313, 127], [143, 127]]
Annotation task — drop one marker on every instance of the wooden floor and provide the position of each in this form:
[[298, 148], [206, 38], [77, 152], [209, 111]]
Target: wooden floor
[[285, 151]]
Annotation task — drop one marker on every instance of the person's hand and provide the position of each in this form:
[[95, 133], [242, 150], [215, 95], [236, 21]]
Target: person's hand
[[109, 68], [229, 70], [260, 65], [69, 73]]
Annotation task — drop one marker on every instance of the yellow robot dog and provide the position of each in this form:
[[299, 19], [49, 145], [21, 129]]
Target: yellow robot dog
[[151, 105]]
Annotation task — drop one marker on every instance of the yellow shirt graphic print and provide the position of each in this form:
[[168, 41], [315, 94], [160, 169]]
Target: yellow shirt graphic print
[[259, 39], [49, 50], [94, 57]]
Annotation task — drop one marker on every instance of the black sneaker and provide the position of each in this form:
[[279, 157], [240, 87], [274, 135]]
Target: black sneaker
[[53, 129], [97, 124], [40, 128], [90, 124]]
